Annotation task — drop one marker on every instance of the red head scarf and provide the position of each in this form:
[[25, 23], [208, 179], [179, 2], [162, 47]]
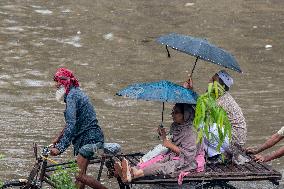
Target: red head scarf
[[66, 78]]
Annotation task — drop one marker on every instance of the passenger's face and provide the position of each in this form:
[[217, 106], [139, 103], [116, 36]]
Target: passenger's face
[[177, 115]]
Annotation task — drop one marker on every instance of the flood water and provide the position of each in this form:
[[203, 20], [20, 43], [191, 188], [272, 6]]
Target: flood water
[[110, 44]]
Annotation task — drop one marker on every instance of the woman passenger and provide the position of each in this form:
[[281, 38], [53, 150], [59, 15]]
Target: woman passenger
[[183, 149]]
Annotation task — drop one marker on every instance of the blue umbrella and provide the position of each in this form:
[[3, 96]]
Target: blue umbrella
[[163, 91], [201, 49]]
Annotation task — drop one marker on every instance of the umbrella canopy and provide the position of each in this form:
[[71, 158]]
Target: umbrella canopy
[[201, 49], [163, 91]]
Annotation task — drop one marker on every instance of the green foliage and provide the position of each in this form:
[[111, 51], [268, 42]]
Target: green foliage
[[208, 112], [63, 177]]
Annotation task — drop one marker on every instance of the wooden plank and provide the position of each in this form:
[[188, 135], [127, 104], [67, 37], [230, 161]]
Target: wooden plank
[[257, 166], [215, 168], [186, 180], [232, 168], [224, 168], [241, 168], [226, 176], [208, 169]]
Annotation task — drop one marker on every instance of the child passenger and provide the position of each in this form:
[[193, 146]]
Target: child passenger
[[183, 149]]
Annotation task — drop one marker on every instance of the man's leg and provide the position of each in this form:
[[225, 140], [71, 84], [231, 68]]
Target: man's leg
[[83, 165], [82, 178]]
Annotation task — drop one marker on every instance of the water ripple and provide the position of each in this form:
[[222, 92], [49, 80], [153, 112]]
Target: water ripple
[[44, 12]]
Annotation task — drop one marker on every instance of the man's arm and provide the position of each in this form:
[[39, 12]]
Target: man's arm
[[269, 143], [68, 131], [277, 154], [56, 140]]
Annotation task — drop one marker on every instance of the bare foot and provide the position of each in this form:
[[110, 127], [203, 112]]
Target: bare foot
[[117, 169], [126, 175]]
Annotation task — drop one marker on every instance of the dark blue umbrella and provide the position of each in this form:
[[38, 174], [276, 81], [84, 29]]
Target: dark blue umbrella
[[163, 91], [201, 49]]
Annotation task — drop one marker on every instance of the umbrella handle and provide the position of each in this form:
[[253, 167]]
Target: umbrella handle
[[163, 109], [193, 67]]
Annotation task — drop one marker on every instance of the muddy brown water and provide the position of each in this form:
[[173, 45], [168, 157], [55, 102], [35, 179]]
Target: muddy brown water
[[110, 44]]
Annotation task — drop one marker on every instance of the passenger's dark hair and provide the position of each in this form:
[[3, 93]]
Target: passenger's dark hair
[[180, 106]]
